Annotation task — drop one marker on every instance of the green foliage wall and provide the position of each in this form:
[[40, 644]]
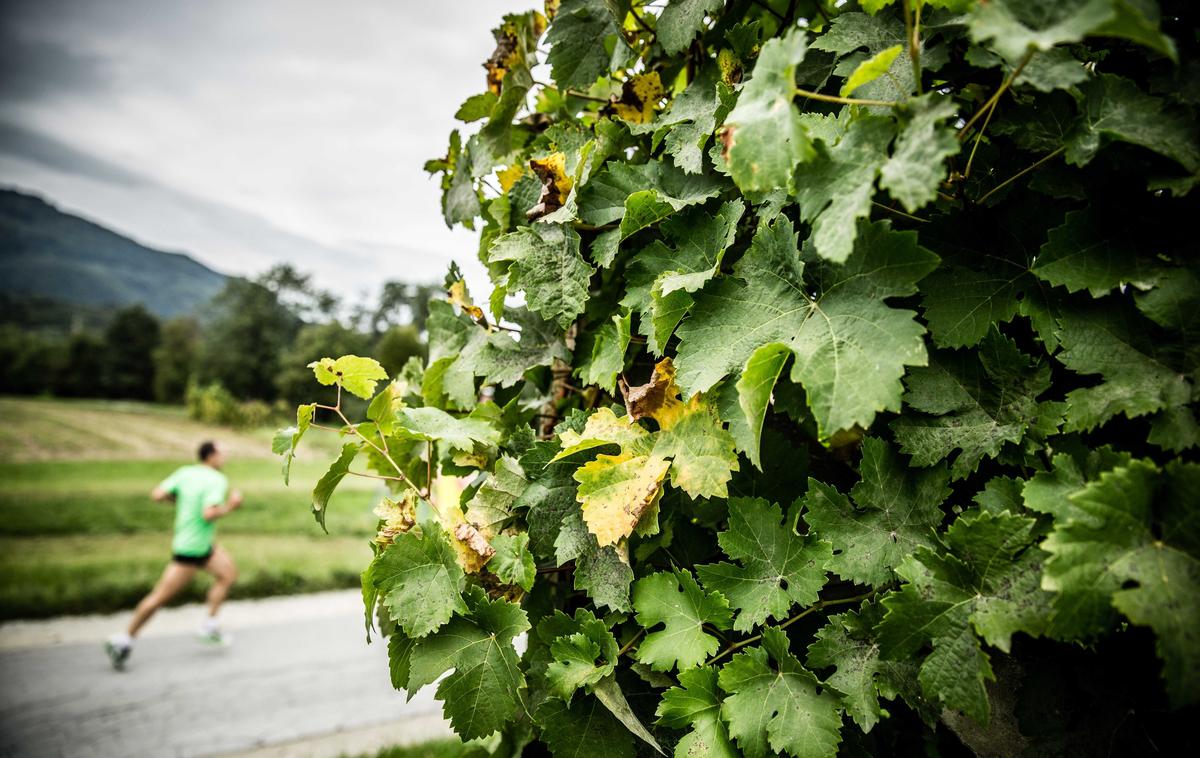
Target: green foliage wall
[[849, 402]]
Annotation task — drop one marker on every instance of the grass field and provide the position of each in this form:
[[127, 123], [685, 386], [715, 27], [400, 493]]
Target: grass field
[[78, 532]]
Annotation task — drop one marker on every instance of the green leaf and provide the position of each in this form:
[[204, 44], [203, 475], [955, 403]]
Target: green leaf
[[680, 21], [778, 569], [492, 504], [676, 601], [501, 359], [692, 117], [754, 392], [1107, 339], [549, 495], [547, 267], [285, 441], [608, 692], [600, 571], [583, 727], [1013, 27], [437, 425], [605, 356], [485, 689], [575, 653], [420, 580], [513, 563], [895, 511], [764, 136], [1109, 551], [780, 708], [331, 479], [971, 402], [870, 69], [578, 40], [917, 167], [476, 107], [355, 374], [861, 676], [661, 277], [696, 705], [984, 586], [1115, 109], [835, 189], [850, 348], [701, 451], [1083, 254], [641, 195]]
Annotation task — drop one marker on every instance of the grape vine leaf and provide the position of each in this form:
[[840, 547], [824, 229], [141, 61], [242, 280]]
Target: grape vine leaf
[[1015, 27], [680, 21], [1083, 254], [700, 449], [601, 571], [492, 503], [285, 441], [433, 424], [778, 569], [604, 352], [548, 496], [661, 278], [851, 349], [895, 511], [870, 69], [485, 690], [355, 374], [971, 402], [420, 581], [763, 135], [638, 196], [1106, 553], [545, 263], [1115, 109], [676, 601], [578, 39], [917, 166], [575, 655], [985, 586], [513, 563], [780, 708], [847, 644], [615, 491], [688, 124], [583, 727], [696, 704], [754, 394], [323, 490], [834, 190], [1112, 340]]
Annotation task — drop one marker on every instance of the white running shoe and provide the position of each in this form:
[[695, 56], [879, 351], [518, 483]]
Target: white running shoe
[[212, 635], [118, 648]]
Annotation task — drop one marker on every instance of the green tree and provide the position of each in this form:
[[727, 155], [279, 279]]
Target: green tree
[[175, 358], [83, 367], [130, 340], [850, 407], [247, 332], [29, 361], [395, 347]]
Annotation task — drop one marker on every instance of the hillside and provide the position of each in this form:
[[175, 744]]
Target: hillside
[[46, 253]]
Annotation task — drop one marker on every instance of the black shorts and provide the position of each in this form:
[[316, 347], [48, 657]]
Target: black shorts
[[198, 561]]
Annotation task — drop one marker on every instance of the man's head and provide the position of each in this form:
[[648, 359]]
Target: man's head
[[211, 455]]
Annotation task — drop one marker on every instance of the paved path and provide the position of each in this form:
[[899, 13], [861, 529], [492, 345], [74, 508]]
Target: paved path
[[299, 680]]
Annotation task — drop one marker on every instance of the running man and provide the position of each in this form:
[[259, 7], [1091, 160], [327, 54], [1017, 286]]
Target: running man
[[199, 494]]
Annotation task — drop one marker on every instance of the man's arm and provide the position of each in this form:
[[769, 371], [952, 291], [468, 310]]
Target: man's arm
[[160, 495], [214, 512]]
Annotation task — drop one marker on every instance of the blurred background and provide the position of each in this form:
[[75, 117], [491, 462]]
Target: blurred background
[[197, 200]]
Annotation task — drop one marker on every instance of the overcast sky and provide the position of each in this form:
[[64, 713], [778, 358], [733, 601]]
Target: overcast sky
[[249, 132]]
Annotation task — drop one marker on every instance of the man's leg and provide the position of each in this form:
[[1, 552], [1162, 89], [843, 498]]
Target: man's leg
[[174, 578], [224, 573]]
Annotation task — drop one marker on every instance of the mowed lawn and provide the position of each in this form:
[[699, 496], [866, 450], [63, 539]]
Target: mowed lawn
[[79, 534]]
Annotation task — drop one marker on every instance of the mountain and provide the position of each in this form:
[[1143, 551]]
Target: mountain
[[47, 255]]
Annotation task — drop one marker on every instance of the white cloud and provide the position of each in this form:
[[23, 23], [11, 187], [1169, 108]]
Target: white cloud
[[264, 130]]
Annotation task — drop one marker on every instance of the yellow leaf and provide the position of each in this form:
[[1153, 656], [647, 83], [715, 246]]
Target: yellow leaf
[[639, 98], [509, 176], [616, 490], [460, 297], [602, 428], [556, 185], [658, 398]]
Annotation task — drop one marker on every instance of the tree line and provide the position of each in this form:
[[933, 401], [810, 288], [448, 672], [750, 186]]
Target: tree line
[[251, 343]]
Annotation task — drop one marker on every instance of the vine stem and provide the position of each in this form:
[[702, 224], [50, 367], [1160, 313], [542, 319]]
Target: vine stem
[[629, 645], [1019, 174], [912, 29], [844, 100], [819, 605], [995, 98]]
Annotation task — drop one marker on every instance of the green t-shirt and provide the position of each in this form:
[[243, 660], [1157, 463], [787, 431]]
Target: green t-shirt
[[195, 488]]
